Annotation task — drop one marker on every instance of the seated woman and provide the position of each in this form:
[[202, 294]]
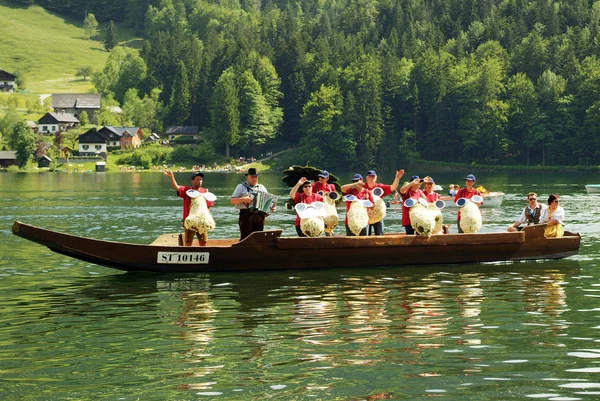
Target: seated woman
[[553, 216]]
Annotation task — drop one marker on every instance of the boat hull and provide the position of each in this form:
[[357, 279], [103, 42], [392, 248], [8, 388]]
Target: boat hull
[[593, 188], [267, 250]]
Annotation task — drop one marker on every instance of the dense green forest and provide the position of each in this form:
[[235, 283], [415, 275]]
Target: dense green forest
[[364, 83]]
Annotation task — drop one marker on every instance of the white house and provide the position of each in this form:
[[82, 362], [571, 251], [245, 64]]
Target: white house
[[75, 103], [54, 122], [92, 143], [7, 81]]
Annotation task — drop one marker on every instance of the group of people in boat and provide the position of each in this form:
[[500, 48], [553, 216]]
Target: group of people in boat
[[308, 192]]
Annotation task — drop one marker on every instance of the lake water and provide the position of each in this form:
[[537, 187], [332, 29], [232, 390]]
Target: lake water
[[77, 331]]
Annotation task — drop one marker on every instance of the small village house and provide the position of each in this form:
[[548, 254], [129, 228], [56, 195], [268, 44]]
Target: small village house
[[92, 143], [33, 126], [57, 122], [124, 137], [44, 161], [152, 138], [65, 151], [7, 81], [188, 132], [75, 103], [8, 158]]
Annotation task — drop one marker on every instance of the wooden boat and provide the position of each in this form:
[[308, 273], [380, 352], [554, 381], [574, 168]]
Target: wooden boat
[[267, 250], [592, 188]]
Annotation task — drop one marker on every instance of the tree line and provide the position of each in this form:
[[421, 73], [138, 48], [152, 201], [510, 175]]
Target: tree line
[[366, 82]]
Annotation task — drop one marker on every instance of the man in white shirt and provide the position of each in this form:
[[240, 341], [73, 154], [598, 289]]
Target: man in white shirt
[[531, 213]]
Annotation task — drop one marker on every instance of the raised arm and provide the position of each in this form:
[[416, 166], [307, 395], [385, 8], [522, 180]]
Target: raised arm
[[348, 187], [171, 176], [396, 182], [294, 190]]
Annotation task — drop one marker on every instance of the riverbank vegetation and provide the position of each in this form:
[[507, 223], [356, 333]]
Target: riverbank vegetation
[[363, 83]]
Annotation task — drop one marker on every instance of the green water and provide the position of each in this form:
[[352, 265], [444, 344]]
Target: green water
[[70, 330]]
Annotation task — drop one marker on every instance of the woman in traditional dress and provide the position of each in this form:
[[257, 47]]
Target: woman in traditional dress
[[553, 216]]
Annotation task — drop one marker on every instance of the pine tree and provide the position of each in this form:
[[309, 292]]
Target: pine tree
[[112, 37], [91, 26], [179, 105]]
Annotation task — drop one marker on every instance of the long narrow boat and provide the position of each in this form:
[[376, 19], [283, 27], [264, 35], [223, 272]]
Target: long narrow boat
[[267, 250]]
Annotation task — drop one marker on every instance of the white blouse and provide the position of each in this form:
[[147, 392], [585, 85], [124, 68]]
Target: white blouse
[[559, 215]]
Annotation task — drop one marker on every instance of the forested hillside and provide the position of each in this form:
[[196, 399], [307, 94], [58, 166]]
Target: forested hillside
[[366, 82]]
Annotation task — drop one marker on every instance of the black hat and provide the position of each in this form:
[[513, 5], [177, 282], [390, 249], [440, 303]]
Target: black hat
[[252, 171], [196, 174]]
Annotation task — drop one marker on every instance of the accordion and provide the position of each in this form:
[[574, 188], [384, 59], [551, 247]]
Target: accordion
[[262, 203]]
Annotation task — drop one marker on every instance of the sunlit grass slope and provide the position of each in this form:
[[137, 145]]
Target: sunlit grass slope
[[48, 48]]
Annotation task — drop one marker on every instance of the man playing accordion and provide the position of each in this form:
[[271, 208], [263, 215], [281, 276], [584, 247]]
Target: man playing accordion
[[252, 216]]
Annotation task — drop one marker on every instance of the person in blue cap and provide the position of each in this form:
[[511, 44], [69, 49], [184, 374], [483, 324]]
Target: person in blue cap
[[356, 188], [323, 187], [371, 184], [197, 180], [467, 192]]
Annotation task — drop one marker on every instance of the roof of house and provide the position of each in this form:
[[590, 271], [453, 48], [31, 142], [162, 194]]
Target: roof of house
[[55, 118], [116, 133], [183, 130], [121, 130], [92, 136], [153, 137], [6, 76], [8, 155], [76, 101]]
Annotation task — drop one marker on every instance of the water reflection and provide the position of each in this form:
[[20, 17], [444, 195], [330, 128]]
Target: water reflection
[[293, 327]]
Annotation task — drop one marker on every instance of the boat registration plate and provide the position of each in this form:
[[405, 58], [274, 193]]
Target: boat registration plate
[[182, 258]]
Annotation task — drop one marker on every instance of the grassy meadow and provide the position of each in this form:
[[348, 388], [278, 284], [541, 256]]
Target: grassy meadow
[[50, 48]]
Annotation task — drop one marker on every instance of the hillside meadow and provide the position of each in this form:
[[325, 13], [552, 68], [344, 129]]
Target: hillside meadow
[[50, 48]]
